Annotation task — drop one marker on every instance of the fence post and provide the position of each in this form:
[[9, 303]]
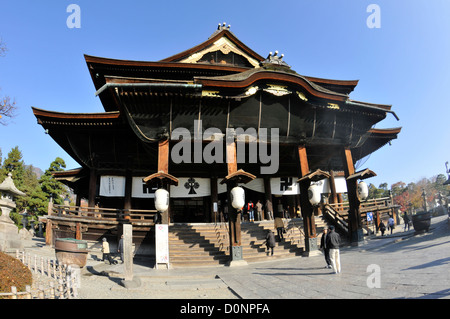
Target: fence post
[[52, 290], [41, 294], [61, 289], [28, 290], [42, 266], [35, 264], [14, 292]]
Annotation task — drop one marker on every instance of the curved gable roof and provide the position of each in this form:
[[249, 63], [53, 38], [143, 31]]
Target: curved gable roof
[[215, 38]]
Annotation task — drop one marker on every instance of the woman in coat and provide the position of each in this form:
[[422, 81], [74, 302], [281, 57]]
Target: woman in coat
[[279, 226]]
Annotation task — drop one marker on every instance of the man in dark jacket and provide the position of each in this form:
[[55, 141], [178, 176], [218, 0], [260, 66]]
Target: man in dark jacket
[[324, 247], [333, 241], [270, 242]]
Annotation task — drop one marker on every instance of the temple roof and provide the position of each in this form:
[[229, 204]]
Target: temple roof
[[145, 100]]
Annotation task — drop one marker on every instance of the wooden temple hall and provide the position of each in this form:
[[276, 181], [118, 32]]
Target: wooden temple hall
[[200, 122]]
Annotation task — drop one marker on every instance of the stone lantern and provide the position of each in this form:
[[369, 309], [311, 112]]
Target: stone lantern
[[9, 236]]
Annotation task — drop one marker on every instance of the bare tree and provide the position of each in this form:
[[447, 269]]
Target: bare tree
[[7, 107]]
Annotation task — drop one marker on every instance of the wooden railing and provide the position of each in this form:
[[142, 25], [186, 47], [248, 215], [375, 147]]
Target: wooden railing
[[339, 211], [105, 214]]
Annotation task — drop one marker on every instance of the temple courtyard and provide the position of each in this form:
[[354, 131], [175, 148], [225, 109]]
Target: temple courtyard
[[397, 266]]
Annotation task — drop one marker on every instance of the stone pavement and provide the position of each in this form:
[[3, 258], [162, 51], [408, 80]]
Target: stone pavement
[[402, 265]]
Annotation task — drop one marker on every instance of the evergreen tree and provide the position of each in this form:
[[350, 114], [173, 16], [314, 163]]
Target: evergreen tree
[[50, 186], [15, 165]]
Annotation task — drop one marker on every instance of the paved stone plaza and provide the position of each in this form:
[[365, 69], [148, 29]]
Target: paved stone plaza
[[402, 265]]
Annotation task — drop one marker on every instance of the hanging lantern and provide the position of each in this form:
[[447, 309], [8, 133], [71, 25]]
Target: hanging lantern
[[161, 200], [363, 190], [237, 198], [314, 194]]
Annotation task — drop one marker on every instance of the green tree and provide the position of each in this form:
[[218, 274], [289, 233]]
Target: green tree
[[14, 164], [50, 186]]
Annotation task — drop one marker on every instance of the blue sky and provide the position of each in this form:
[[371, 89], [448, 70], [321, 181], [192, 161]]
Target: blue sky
[[405, 62]]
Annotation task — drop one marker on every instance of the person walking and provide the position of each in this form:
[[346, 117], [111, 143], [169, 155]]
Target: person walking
[[382, 228], [251, 212], [333, 241], [324, 248], [106, 252], [269, 210], [120, 248], [270, 242], [391, 224], [406, 220], [259, 207], [279, 226]]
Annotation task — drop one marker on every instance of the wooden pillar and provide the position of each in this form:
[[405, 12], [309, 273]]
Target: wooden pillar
[[163, 166], [354, 215], [49, 233], [309, 223], [332, 182], [234, 216], [214, 199], [92, 187], [78, 231], [268, 196], [128, 185]]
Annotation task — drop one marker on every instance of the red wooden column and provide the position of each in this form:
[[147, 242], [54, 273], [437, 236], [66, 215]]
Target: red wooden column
[[354, 215], [309, 223]]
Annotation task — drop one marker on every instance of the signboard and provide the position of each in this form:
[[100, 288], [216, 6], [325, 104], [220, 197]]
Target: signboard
[[139, 189], [284, 186], [162, 244], [112, 186], [369, 216], [191, 187]]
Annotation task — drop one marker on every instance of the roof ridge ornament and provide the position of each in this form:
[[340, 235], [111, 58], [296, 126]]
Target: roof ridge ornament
[[275, 59], [223, 26]]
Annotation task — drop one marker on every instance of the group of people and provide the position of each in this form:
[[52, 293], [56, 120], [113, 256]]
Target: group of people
[[250, 209], [391, 224]]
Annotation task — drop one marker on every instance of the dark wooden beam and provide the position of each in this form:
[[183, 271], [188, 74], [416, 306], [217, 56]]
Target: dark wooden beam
[[354, 214], [307, 209]]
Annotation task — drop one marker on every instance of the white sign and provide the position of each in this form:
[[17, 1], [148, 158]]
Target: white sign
[[139, 189], [191, 187], [162, 243], [284, 186], [112, 186]]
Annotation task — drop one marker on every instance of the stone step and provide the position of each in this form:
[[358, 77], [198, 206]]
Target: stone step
[[208, 244]]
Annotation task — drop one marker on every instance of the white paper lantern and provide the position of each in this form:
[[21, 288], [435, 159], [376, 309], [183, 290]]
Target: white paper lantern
[[363, 190], [161, 200], [237, 198], [314, 194]]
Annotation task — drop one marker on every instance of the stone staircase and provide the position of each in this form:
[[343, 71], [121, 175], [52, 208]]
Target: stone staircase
[[207, 244]]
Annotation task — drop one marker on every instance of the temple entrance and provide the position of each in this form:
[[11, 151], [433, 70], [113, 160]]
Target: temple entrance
[[190, 210]]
